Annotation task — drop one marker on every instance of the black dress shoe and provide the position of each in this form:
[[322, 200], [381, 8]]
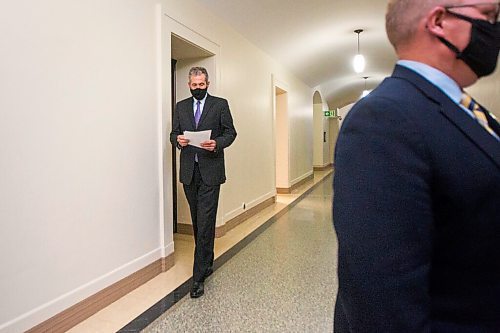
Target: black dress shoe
[[197, 290]]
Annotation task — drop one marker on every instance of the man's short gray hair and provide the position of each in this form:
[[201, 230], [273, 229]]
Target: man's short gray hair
[[402, 17], [197, 71]]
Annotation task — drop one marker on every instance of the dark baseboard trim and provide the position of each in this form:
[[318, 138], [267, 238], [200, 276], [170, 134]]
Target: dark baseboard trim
[[283, 190], [237, 220], [185, 229], [323, 168], [220, 231], [72, 316], [288, 190]]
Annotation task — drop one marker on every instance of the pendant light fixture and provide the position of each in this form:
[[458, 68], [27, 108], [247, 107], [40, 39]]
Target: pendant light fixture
[[359, 61], [366, 91]]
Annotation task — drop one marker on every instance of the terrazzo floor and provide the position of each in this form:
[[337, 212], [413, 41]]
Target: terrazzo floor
[[283, 281]]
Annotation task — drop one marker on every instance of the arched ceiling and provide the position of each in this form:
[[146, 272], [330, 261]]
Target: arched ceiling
[[315, 39]]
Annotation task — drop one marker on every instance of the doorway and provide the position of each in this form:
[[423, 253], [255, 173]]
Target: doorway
[[174, 149], [282, 141], [184, 55], [322, 135]]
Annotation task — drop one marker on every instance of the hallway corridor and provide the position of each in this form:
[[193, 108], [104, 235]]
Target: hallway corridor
[[283, 281]]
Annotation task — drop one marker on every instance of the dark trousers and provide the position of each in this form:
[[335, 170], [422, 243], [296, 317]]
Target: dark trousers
[[203, 201]]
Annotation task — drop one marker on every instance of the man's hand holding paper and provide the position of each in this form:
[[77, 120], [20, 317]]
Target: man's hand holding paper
[[200, 139]]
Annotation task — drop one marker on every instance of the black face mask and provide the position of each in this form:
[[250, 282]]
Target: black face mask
[[481, 54], [199, 93]]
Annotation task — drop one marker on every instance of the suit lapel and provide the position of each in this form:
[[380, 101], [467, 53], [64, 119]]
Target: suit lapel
[[209, 102], [451, 111], [472, 130]]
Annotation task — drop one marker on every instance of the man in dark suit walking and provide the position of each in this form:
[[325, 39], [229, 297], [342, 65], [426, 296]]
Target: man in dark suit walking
[[417, 182], [202, 169]]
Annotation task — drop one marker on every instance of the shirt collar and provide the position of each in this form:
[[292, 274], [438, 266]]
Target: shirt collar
[[202, 101], [436, 77]]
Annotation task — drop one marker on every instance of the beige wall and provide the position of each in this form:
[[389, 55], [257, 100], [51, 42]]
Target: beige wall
[[344, 111], [318, 134], [301, 124], [80, 153], [282, 140], [85, 117]]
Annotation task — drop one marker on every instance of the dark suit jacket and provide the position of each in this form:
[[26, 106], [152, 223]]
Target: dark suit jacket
[[216, 116], [417, 214]]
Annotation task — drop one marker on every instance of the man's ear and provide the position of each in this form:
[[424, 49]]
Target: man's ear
[[435, 23]]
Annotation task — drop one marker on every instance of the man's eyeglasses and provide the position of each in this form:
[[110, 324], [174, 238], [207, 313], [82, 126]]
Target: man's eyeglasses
[[490, 9]]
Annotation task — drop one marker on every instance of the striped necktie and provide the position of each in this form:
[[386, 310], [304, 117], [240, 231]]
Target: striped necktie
[[477, 110]]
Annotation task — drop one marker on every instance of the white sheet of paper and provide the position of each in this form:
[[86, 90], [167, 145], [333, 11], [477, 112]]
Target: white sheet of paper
[[196, 138]]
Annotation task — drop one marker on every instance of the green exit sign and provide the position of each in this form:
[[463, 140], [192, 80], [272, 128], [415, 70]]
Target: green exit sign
[[330, 113]]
